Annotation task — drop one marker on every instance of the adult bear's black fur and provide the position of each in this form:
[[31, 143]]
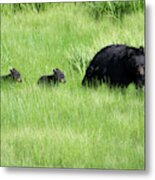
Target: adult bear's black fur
[[117, 65]]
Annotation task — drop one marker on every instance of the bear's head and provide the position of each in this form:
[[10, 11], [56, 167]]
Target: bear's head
[[15, 75], [59, 75]]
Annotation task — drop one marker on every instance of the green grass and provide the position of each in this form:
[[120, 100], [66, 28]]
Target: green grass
[[67, 125]]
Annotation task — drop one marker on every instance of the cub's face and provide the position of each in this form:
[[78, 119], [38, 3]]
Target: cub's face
[[16, 75], [59, 75]]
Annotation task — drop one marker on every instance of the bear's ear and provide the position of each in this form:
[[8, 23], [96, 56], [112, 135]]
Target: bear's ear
[[11, 71], [130, 52], [54, 71], [141, 49]]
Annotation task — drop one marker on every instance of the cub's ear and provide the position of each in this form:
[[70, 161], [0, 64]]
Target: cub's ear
[[54, 70], [57, 69], [11, 70]]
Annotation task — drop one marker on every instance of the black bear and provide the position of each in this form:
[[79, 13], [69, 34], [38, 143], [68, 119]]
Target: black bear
[[57, 77], [14, 75], [117, 65]]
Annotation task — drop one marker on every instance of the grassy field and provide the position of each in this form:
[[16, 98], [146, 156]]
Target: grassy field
[[68, 126]]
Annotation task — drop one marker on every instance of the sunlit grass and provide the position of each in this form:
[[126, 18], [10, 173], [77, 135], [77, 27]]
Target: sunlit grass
[[68, 125]]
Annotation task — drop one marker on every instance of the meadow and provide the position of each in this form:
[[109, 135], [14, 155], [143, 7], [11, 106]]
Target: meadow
[[68, 126]]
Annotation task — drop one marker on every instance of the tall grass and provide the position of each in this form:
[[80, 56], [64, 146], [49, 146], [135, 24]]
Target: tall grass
[[95, 9], [67, 125], [115, 9]]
